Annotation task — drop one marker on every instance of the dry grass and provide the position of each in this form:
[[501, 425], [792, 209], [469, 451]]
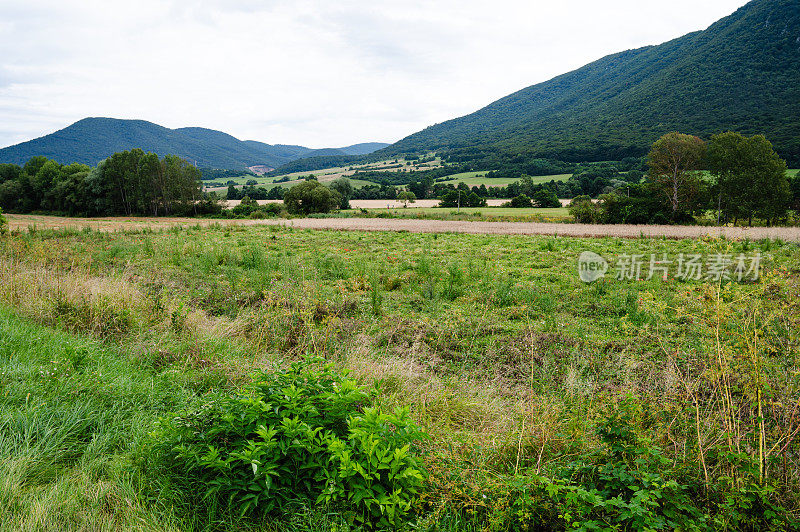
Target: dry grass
[[22, 222], [74, 299]]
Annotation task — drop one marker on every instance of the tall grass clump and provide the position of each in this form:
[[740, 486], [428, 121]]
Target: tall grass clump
[[375, 297], [71, 411], [454, 282]]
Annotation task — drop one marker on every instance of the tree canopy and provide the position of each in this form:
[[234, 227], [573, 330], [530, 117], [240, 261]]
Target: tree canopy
[[311, 197], [127, 183], [343, 186], [750, 177], [674, 162]]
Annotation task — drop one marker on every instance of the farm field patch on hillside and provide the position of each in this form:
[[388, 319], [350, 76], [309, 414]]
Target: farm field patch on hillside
[[327, 175], [476, 179]]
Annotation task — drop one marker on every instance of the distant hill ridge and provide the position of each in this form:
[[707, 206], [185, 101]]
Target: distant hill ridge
[[742, 73], [91, 140]]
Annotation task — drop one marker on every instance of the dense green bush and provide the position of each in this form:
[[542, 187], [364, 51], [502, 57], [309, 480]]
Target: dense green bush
[[545, 199], [292, 438], [253, 192], [251, 209], [637, 204], [311, 197], [628, 485], [463, 198], [345, 190], [584, 210], [521, 202]]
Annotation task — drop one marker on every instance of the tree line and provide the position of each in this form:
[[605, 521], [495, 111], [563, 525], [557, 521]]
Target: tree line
[[740, 178], [129, 183]]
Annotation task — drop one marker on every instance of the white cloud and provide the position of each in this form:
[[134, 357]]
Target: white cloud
[[304, 72]]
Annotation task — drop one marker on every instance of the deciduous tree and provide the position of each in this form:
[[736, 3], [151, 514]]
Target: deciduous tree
[[311, 197], [674, 162], [750, 177], [345, 190], [406, 196]]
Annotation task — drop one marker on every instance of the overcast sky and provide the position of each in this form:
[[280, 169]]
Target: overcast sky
[[316, 73]]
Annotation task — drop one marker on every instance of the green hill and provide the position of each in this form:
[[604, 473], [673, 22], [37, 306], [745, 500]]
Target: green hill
[[364, 148], [91, 140], [742, 73]]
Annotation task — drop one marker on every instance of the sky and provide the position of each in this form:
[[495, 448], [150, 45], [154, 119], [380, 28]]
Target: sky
[[310, 72]]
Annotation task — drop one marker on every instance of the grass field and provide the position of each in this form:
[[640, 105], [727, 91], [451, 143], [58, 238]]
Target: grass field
[[471, 179], [357, 183], [329, 174], [512, 366], [268, 182], [476, 179]]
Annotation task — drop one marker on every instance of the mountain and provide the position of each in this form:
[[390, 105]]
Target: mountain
[[365, 148], [742, 73], [356, 149], [93, 139]]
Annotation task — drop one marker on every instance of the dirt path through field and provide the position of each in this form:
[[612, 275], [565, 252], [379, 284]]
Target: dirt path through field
[[532, 228], [789, 234]]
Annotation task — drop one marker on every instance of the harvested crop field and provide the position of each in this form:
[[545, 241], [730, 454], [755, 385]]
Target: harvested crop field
[[421, 203], [383, 203], [18, 222]]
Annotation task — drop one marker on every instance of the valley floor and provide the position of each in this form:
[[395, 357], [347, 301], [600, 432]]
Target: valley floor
[[510, 363]]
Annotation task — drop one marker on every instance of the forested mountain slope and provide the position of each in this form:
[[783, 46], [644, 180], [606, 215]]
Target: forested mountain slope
[[742, 73], [91, 140]]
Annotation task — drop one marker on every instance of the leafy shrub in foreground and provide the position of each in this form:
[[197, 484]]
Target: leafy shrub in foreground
[[630, 485], [296, 437]]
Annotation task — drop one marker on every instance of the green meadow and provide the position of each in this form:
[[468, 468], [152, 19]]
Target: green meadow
[[476, 179], [544, 403]]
